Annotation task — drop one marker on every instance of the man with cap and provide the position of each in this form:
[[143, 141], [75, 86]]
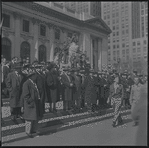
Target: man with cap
[[90, 91], [32, 105], [53, 88], [68, 84], [13, 83], [141, 79]]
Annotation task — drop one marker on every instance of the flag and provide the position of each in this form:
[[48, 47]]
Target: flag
[[52, 53], [36, 50], [1, 23]]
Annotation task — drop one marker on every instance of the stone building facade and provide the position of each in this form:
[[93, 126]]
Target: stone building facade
[[29, 27]]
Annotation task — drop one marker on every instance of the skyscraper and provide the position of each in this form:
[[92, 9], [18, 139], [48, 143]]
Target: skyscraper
[[129, 38], [93, 8]]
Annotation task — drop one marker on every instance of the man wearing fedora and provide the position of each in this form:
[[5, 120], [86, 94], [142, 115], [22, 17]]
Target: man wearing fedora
[[31, 104], [13, 83]]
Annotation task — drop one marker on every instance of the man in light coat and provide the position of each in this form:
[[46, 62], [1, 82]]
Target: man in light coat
[[134, 98]]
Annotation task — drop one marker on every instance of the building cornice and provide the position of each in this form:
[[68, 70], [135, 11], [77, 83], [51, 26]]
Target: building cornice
[[59, 16]]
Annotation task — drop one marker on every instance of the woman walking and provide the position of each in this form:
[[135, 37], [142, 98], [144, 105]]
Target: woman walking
[[116, 95]]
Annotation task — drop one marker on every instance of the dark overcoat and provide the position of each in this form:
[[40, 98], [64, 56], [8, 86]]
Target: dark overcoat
[[90, 90], [33, 109], [103, 88], [68, 90], [125, 86], [6, 71], [53, 87], [41, 86], [83, 87], [99, 88], [14, 86], [77, 86]]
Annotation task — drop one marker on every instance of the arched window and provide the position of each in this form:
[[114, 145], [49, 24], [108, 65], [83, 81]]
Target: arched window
[[42, 53], [25, 51], [6, 48]]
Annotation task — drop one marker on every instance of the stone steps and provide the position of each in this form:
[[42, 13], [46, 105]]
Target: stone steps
[[57, 121]]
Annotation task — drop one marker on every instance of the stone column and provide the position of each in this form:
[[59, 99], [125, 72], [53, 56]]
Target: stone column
[[99, 53], [17, 47], [35, 41], [52, 44], [91, 52], [104, 51]]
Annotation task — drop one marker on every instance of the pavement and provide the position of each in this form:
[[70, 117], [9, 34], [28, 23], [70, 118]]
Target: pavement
[[99, 133]]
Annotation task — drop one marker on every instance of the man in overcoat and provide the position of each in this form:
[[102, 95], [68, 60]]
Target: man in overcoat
[[32, 105], [103, 87], [90, 91], [77, 88], [40, 84], [68, 85], [13, 83], [53, 91]]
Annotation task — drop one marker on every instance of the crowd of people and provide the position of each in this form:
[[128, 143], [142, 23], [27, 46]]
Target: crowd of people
[[30, 86]]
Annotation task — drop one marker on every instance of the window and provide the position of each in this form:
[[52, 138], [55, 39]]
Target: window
[[126, 25], [144, 41], [138, 43], [142, 12], [126, 31], [138, 50], [127, 45], [145, 49], [127, 51], [122, 13], [117, 20], [113, 15], [117, 46], [117, 27], [118, 52], [6, 21], [123, 26], [123, 51], [117, 39], [57, 34], [134, 43], [113, 21], [146, 11], [127, 57], [114, 53], [104, 17], [113, 46], [113, 27], [113, 39], [123, 44], [43, 30], [134, 50], [123, 32], [108, 22], [114, 58], [117, 14], [108, 16], [25, 25], [108, 47], [126, 12]]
